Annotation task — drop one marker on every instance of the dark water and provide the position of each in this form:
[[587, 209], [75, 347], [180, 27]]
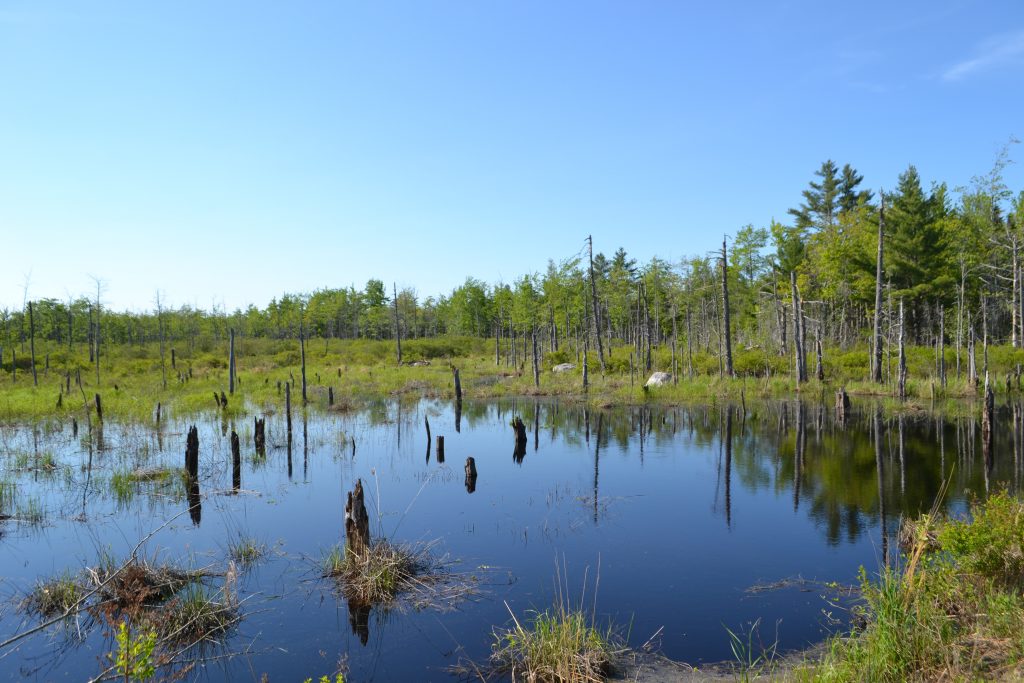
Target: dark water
[[678, 511]]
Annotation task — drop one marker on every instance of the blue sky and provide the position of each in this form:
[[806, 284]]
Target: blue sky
[[226, 152]]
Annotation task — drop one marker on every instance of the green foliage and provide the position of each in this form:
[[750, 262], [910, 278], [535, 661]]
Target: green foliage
[[992, 543], [134, 657], [338, 678]]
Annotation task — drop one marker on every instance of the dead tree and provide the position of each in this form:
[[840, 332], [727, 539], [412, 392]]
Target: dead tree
[[536, 361], [901, 377], [288, 406], [398, 327], [99, 408], [800, 365], [439, 450], [458, 385], [32, 343], [842, 405], [876, 335], [302, 353], [357, 523], [231, 362], [725, 313], [593, 298]]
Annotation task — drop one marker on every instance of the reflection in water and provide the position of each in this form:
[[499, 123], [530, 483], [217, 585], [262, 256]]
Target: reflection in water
[[195, 504], [359, 620]]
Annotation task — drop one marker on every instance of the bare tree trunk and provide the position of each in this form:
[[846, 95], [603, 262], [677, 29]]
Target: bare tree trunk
[[902, 376], [725, 313], [876, 336], [597, 311], [231, 362], [536, 362], [942, 346], [398, 327], [302, 355], [798, 351], [32, 343]]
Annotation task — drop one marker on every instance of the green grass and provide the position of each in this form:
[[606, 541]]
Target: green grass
[[363, 370], [381, 574], [953, 611], [246, 551], [197, 614], [558, 645], [54, 596]]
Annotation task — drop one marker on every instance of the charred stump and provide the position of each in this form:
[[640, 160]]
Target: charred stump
[[192, 452], [236, 462], [99, 408], [357, 523], [440, 449], [470, 475], [260, 435]]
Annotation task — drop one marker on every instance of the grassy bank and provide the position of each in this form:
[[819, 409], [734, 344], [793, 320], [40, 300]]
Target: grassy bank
[[131, 380], [954, 610]]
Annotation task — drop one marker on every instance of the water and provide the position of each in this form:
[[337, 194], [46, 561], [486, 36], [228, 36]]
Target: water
[[674, 513]]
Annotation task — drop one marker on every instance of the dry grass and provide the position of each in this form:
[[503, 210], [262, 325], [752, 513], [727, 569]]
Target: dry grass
[[387, 571]]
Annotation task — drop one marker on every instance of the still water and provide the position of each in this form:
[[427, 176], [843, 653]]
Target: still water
[[673, 515]]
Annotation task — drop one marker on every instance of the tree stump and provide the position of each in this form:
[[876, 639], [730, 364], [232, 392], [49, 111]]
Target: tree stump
[[470, 475], [260, 435], [192, 452], [520, 429], [236, 462], [842, 405], [330, 396], [987, 424], [440, 449], [99, 408], [357, 523], [223, 400], [458, 385]]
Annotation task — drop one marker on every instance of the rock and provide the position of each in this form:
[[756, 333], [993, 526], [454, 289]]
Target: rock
[[659, 379], [419, 363], [563, 367]]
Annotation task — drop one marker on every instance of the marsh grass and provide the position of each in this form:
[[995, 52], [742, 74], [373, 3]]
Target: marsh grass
[[954, 610], [197, 614], [385, 572], [245, 550], [54, 596], [560, 644]]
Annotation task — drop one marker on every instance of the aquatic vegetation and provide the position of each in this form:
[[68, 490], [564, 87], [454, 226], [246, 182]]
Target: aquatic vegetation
[[197, 614], [379, 575], [245, 550], [558, 645], [54, 596]]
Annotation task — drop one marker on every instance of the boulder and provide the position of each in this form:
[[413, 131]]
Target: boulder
[[563, 367], [659, 379]]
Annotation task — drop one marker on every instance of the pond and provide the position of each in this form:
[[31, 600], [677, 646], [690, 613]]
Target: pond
[[673, 523]]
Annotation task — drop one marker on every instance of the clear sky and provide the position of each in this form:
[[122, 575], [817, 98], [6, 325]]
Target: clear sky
[[226, 152]]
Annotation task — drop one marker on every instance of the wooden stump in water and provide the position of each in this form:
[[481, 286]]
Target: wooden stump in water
[[470, 475], [158, 412], [236, 462], [842, 404], [458, 385], [74, 426], [520, 429], [330, 396], [357, 522], [288, 405], [216, 399], [259, 436], [223, 400], [99, 408], [60, 401], [192, 452], [440, 449]]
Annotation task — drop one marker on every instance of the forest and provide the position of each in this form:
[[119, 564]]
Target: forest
[[850, 268]]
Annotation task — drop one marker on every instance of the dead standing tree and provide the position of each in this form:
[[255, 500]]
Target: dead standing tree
[[876, 335], [357, 523], [727, 332]]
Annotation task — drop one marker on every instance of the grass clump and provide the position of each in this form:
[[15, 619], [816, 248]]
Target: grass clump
[[54, 596], [380, 574], [954, 610], [559, 645], [196, 615], [246, 551], [140, 583]]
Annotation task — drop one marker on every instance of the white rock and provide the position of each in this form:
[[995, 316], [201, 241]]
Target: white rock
[[658, 379], [563, 367]]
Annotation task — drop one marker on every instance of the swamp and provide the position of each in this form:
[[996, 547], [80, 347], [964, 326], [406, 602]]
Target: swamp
[[678, 530]]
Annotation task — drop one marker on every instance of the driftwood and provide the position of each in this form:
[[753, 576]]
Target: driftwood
[[357, 522]]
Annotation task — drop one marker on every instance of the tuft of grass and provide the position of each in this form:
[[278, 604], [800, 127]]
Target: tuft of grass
[[31, 512], [559, 645], [54, 596], [379, 575], [196, 615], [246, 551]]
